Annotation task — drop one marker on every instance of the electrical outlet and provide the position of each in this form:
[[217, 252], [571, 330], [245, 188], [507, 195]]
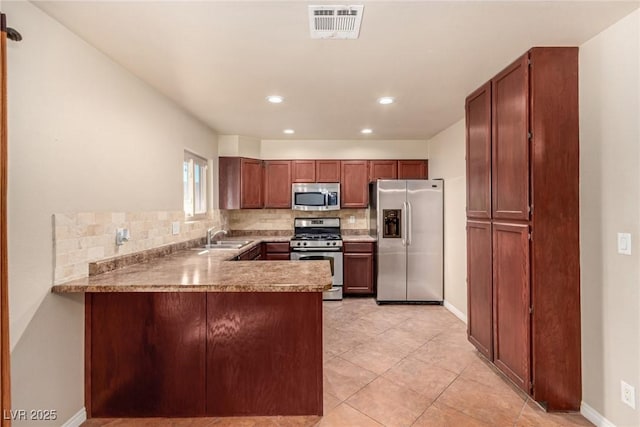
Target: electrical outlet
[[175, 228], [628, 394], [352, 219], [624, 243]]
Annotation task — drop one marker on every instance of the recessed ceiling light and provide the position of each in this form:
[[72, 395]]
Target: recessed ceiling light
[[386, 100], [275, 99], [366, 131], [289, 131]]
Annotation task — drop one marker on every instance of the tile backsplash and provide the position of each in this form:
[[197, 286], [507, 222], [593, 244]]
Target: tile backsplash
[[83, 237], [282, 219]]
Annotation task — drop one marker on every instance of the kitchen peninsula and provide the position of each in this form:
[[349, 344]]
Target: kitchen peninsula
[[195, 334]]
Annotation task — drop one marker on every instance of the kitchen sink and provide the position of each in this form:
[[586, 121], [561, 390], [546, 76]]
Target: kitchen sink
[[224, 244]]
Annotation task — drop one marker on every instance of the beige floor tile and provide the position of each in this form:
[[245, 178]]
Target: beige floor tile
[[342, 378], [345, 416], [421, 328], [481, 372], [306, 421], [389, 314], [330, 402], [438, 415], [365, 326], [534, 416], [454, 357], [338, 341], [402, 339], [483, 402], [389, 403], [376, 356], [246, 422], [428, 380]]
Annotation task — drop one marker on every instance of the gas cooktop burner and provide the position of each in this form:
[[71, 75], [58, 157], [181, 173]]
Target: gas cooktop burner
[[308, 236]]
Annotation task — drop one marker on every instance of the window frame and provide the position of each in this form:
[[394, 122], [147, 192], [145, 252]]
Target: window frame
[[195, 169]]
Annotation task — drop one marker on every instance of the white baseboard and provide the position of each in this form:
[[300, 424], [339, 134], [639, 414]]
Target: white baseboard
[[594, 416], [460, 315], [77, 419]]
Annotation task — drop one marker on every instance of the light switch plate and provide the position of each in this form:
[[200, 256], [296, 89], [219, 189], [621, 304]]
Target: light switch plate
[[175, 228], [624, 243]]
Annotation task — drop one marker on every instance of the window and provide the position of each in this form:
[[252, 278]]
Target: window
[[194, 178]]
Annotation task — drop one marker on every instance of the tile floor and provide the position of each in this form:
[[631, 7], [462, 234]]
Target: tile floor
[[397, 365]]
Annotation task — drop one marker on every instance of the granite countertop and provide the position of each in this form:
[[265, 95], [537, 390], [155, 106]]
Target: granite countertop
[[190, 270]]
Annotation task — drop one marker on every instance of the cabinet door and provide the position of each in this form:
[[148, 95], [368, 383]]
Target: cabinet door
[[251, 186], [478, 122], [358, 273], [479, 287], [277, 184], [383, 169], [354, 188], [512, 302], [413, 169], [271, 256], [327, 170], [510, 146], [303, 171]]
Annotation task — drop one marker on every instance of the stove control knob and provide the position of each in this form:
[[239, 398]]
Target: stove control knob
[[328, 243], [334, 243], [304, 244], [298, 243]]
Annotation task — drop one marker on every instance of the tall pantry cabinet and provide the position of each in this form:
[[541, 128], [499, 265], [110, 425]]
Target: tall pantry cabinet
[[523, 268]]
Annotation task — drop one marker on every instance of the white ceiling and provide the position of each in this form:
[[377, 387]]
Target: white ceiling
[[219, 60]]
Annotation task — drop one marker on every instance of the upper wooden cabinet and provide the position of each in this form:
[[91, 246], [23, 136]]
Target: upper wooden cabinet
[[327, 170], [354, 183], [478, 120], [240, 183], [383, 169], [510, 96], [303, 170], [413, 169], [277, 184]]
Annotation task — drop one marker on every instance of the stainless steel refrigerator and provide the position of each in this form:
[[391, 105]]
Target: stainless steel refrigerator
[[406, 216]]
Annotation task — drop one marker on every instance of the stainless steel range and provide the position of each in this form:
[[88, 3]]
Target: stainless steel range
[[319, 239]]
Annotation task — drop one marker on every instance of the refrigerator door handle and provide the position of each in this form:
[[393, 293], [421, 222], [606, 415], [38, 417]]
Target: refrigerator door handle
[[404, 223], [409, 223]]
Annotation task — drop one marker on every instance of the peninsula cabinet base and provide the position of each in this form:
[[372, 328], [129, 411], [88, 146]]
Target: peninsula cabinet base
[[188, 354]]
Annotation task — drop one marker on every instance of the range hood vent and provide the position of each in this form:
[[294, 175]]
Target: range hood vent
[[335, 22]]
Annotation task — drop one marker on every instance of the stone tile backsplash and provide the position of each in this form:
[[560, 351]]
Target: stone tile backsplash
[[84, 237], [282, 219]]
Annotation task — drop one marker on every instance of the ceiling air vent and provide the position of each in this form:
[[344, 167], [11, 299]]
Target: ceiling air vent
[[335, 22]]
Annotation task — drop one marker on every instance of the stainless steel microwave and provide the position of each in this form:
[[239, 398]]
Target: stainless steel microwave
[[315, 197]]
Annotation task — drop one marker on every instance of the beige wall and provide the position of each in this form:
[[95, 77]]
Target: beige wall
[[239, 146], [343, 149], [610, 203], [84, 135], [446, 160]]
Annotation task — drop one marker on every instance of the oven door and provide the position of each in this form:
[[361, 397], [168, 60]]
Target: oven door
[[335, 259]]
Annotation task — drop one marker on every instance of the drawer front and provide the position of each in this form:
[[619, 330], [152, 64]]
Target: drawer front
[[282, 247], [358, 247], [277, 257]]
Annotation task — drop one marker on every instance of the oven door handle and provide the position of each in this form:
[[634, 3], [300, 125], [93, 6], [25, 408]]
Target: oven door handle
[[319, 250]]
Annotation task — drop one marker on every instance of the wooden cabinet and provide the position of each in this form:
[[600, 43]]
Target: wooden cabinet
[[276, 251], [303, 171], [240, 183], [252, 254], [327, 170], [480, 288], [383, 169], [478, 117], [315, 170], [354, 183], [510, 142], [531, 131], [277, 184], [358, 271], [413, 169]]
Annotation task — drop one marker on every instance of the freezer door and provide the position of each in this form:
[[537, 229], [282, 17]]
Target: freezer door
[[425, 240], [391, 201]]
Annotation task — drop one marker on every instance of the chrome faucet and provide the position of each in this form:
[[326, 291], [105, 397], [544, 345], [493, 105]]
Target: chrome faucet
[[211, 237]]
